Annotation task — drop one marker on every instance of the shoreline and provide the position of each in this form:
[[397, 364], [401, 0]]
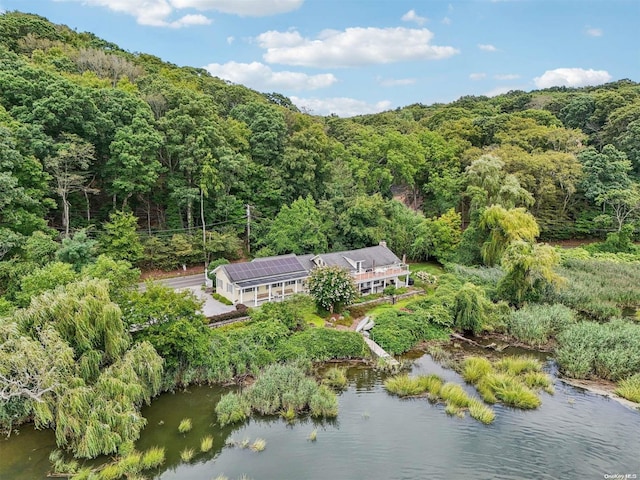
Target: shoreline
[[600, 387]]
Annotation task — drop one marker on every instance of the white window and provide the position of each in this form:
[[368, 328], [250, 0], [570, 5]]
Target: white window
[[290, 282], [249, 289], [229, 288], [219, 283]]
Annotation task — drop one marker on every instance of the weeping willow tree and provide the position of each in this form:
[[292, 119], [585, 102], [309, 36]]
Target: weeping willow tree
[[105, 417], [91, 396], [529, 270], [31, 370], [504, 227], [471, 308]]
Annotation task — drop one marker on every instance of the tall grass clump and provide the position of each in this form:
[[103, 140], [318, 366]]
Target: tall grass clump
[[609, 350], [517, 365], [455, 395], [474, 368], [206, 443], [324, 403], [284, 389], [536, 324], [630, 388], [335, 378], [509, 390], [406, 386], [187, 454], [510, 380], [258, 445], [185, 425], [481, 412], [232, 408], [152, 458]]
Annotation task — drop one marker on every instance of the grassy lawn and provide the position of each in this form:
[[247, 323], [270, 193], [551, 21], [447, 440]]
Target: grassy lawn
[[310, 314], [432, 268]]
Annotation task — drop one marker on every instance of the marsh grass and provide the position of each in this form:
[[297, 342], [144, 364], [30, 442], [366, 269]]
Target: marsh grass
[[258, 445], [510, 391], [630, 388], [455, 395], [288, 414], [232, 408], [599, 288], [537, 380], [187, 454], [313, 435], [185, 425], [608, 350], [335, 378], [403, 386], [110, 472], [152, 458], [206, 443], [474, 368], [481, 412], [456, 399], [518, 365], [536, 324], [324, 403], [510, 380]]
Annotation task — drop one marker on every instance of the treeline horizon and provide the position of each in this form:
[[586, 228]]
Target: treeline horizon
[[88, 129]]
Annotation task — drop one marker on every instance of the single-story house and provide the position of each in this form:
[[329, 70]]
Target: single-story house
[[275, 278]]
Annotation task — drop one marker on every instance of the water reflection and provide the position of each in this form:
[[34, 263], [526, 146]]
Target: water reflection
[[574, 434]]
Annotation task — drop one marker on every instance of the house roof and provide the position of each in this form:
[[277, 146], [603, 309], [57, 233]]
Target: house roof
[[371, 257], [265, 268], [291, 266]]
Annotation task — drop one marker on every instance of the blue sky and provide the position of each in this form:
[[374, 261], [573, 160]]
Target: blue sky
[[362, 56]]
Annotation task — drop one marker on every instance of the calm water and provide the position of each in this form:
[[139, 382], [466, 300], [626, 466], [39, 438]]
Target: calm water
[[376, 436]]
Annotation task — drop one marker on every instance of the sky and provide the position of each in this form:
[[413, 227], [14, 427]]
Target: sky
[[351, 57]]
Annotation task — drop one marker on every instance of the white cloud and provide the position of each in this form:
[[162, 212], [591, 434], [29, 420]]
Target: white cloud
[[395, 82], [158, 13], [412, 16], [571, 77], [593, 32], [341, 106], [487, 47], [260, 77], [247, 8], [477, 76], [446, 21], [500, 90], [351, 47], [507, 76], [189, 20], [230, 40]]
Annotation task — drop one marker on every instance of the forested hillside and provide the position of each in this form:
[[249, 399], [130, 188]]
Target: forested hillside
[[91, 135]]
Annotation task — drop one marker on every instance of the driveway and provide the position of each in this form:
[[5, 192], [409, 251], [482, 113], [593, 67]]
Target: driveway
[[211, 306]]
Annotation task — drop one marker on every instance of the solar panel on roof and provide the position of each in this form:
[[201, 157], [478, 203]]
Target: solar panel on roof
[[264, 268]]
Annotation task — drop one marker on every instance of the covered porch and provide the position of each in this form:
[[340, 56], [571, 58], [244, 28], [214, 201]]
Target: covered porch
[[253, 294]]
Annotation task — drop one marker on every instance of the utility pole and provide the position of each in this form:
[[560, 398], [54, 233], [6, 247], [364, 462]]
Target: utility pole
[[248, 229]]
